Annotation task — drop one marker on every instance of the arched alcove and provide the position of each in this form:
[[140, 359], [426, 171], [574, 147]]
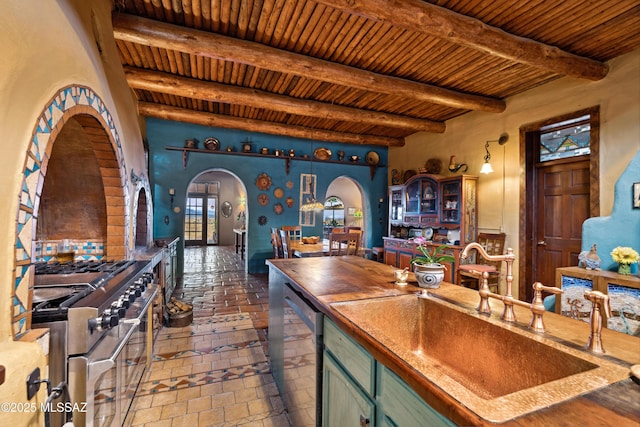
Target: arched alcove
[[90, 125]]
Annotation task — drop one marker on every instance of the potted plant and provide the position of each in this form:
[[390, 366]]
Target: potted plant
[[626, 257], [428, 267]]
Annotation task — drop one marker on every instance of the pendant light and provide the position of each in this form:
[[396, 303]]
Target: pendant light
[[311, 204]]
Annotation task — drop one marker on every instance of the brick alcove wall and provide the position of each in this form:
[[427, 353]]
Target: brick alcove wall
[[87, 108]]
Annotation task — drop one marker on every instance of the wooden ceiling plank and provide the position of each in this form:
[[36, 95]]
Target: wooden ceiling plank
[[287, 14], [297, 27], [192, 88], [310, 26], [141, 30], [166, 112], [123, 50], [416, 15]]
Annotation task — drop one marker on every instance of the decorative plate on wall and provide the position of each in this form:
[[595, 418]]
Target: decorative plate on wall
[[433, 166], [322, 153], [212, 144], [263, 182], [262, 220], [372, 158], [289, 185], [278, 193], [278, 208], [263, 199], [290, 201]]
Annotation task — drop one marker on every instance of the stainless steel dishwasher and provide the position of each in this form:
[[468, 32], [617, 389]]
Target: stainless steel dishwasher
[[302, 371]]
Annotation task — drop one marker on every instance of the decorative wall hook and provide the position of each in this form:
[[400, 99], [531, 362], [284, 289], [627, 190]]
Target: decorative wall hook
[[455, 167]]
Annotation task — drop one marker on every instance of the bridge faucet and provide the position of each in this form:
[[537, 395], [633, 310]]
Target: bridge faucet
[[599, 302], [484, 307]]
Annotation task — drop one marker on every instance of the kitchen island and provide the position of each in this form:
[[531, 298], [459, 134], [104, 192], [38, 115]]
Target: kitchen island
[[330, 283]]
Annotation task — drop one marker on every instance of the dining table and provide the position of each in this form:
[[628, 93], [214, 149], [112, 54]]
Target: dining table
[[305, 250]]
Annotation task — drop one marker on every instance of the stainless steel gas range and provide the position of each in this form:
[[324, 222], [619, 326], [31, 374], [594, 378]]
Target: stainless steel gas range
[[99, 317]]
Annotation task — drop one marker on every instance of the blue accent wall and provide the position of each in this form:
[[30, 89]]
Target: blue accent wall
[[622, 228], [166, 170]]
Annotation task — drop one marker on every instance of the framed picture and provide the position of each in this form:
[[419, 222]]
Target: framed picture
[[636, 195]]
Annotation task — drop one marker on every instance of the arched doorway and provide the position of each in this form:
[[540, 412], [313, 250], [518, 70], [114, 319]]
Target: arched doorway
[[354, 208], [214, 206]]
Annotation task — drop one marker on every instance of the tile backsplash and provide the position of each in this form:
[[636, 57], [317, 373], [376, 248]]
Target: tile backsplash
[[85, 250]]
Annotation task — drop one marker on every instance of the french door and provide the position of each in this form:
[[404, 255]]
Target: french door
[[201, 220]]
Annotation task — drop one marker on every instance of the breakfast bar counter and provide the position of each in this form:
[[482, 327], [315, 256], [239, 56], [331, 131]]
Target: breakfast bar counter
[[332, 283]]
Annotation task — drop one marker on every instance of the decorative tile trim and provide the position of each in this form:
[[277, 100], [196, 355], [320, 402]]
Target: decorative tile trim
[[68, 102]]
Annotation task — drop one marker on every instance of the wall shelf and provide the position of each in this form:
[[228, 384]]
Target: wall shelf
[[287, 159]]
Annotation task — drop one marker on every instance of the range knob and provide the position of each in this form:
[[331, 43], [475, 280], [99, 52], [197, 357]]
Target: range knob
[[140, 284], [123, 302], [131, 296], [135, 290], [118, 309], [109, 320]]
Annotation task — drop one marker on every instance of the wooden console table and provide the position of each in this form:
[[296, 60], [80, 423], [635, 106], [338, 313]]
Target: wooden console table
[[240, 234], [623, 291]]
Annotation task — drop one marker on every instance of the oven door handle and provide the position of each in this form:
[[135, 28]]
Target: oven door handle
[[98, 367]]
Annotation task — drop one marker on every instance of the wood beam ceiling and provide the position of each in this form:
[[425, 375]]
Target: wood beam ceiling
[[155, 81], [427, 18], [168, 36], [166, 112]]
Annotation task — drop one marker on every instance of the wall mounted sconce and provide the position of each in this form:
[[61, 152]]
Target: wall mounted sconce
[[172, 193], [134, 178], [455, 167], [486, 167]]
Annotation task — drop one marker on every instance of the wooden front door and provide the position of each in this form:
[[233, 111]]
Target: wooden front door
[[562, 206]]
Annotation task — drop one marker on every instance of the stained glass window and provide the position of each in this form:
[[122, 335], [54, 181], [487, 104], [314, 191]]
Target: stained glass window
[[570, 138]]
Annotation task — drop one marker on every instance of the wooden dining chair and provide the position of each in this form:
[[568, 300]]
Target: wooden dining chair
[[469, 275], [276, 242], [294, 232], [358, 230], [344, 243], [284, 241]]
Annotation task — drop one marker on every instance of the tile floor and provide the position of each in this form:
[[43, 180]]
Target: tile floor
[[214, 372]]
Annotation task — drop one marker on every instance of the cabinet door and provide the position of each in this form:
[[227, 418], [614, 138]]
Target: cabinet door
[[404, 260], [343, 403], [400, 406], [390, 256]]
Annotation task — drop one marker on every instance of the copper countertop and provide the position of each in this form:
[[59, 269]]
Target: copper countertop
[[326, 280]]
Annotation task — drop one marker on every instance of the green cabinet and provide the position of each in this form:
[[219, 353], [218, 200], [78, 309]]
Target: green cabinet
[[398, 405], [343, 402], [358, 390]]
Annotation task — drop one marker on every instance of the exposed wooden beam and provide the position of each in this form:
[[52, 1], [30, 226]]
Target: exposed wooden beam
[[184, 115], [167, 36], [421, 16], [156, 81]]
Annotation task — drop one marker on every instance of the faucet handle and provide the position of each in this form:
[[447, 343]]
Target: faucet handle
[[600, 302], [537, 305], [600, 299]]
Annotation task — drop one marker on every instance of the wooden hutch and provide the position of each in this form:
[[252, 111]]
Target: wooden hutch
[[435, 207]]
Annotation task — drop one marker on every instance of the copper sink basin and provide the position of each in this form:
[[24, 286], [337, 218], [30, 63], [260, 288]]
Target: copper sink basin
[[497, 370]]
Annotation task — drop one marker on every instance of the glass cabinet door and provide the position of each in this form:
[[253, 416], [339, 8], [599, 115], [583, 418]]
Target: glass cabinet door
[[450, 209], [428, 196], [412, 194], [395, 200]]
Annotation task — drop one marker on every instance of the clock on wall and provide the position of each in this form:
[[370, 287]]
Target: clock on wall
[[263, 199]]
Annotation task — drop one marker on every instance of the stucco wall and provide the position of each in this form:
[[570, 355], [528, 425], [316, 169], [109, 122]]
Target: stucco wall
[[167, 171], [48, 45], [618, 96]]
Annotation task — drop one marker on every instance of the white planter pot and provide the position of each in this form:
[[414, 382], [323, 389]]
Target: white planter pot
[[429, 275]]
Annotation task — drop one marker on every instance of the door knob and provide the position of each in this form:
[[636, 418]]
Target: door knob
[[542, 243]]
